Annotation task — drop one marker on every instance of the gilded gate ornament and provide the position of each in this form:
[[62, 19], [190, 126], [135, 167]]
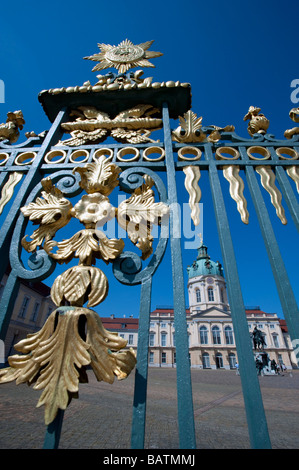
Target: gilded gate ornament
[[124, 56], [192, 177], [294, 115], [93, 126], [55, 358], [10, 129], [258, 123], [190, 130], [268, 182], [8, 189]]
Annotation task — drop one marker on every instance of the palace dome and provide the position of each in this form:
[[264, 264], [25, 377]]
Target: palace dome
[[203, 265]]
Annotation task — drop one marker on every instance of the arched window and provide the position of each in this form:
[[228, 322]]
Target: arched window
[[222, 295], [229, 337], [210, 294], [198, 296], [216, 335], [203, 335], [206, 361]]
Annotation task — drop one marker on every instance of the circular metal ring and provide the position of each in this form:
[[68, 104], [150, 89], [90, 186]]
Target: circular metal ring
[[261, 150], [230, 150], [77, 153], [5, 157], [193, 150], [289, 151], [55, 153], [125, 151], [150, 150], [102, 151], [20, 160]]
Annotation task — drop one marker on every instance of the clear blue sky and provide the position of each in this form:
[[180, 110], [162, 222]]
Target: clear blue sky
[[234, 54]]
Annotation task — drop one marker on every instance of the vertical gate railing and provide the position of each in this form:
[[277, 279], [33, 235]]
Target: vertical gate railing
[[28, 163]]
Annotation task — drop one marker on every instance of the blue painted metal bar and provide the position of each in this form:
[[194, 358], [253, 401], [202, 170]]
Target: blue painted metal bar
[[52, 436], [256, 419], [141, 373], [284, 288], [184, 385]]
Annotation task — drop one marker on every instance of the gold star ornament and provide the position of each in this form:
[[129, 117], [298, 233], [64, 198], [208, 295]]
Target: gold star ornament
[[123, 57]]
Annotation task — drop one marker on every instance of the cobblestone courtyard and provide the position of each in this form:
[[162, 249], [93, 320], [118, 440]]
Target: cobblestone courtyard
[[101, 417]]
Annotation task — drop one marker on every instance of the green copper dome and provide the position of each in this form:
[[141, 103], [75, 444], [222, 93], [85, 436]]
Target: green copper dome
[[203, 265]]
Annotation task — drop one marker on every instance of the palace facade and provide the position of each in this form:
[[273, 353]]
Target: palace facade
[[210, 329]]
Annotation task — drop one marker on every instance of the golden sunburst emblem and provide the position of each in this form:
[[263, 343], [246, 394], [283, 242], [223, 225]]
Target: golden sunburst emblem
[[123, 57]]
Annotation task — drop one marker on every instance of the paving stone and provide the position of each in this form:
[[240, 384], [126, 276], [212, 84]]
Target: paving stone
[[101, 417]]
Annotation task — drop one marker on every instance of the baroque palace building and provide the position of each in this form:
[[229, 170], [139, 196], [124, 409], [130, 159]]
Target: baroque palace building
[[210, 329]]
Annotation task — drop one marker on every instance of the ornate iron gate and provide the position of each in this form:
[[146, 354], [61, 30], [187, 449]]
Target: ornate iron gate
[[46, 174]]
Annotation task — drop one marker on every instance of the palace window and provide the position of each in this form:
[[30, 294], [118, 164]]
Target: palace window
[[275, 341], [206, 361], [24, 306], [232, 360], [35, 312], [229, 337], [151, 357], [131, 339], [219, 361], [210, 294], [216, 335], [152, 339], [163, 358], [198, 296], [203, 335], [163, 339]]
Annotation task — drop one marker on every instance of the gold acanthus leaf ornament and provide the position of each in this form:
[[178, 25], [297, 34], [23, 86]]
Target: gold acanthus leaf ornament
[[87, 245], [138, 213], [55, 358], [73, 285], [100, 176], [190, 130], [51, 211]]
